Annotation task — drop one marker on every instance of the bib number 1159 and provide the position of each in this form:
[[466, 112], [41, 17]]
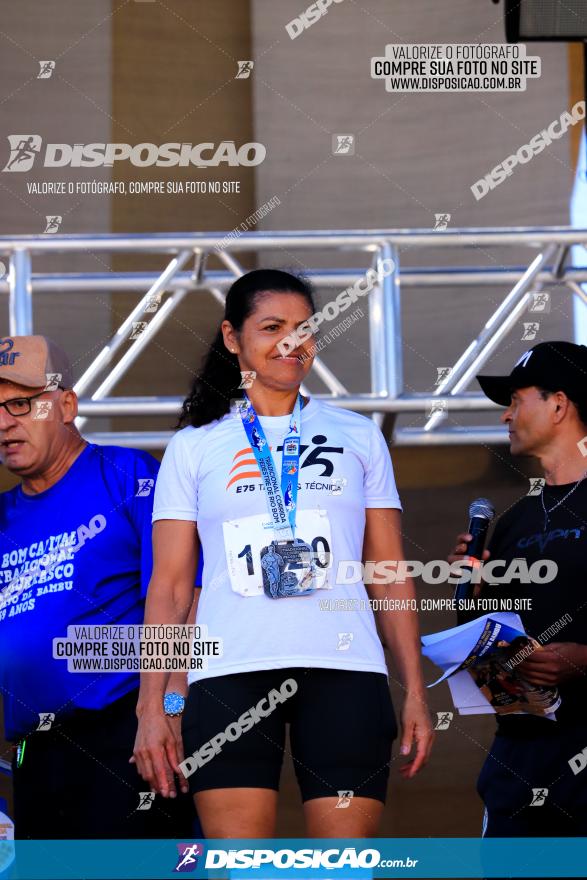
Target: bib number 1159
[[244, 539]]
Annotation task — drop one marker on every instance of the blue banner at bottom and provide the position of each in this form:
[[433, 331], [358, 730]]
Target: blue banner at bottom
[[293, 858]]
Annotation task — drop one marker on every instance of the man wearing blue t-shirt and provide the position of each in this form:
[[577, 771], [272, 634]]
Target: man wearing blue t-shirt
[[75, 550]]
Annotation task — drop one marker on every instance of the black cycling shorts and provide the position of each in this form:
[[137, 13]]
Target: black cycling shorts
[[342, 725]]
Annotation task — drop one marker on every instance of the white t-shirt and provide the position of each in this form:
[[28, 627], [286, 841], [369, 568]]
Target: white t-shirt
[[209, 475]]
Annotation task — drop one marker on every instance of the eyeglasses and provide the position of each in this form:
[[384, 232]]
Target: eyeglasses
[[21, 406]]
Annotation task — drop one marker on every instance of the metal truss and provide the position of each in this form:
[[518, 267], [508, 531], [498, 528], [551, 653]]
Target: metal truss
[[161, 293]]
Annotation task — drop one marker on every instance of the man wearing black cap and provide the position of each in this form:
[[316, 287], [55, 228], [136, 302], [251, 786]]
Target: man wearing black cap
[[546, 400], [75, 551]]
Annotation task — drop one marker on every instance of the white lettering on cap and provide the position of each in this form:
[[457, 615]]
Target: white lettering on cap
[[524, 359]]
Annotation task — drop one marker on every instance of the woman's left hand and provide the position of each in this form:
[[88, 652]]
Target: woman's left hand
[[416, 729]]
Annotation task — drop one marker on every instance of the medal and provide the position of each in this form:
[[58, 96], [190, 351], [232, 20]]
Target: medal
[[288, 569], [287, 563]]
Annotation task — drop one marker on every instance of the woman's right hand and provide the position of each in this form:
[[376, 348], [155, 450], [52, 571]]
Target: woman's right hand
[[460, 550], [158, 752]]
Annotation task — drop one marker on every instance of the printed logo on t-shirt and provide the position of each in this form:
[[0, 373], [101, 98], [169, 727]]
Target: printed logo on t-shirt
[[543, 539], [315, 454]]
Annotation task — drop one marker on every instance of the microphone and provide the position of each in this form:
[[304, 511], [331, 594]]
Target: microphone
[[481, 513]]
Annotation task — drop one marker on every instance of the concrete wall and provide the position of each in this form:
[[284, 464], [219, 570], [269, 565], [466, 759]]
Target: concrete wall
[[72, 106], [416, 155], [173, 80]]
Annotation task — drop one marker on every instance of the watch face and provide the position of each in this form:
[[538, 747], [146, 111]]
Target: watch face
[[173, 704]]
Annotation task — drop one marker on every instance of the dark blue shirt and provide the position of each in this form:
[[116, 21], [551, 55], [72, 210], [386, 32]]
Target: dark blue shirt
[[77, 554]]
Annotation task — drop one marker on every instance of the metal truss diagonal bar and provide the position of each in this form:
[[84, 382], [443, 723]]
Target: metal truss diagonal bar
[[121, 336], [494, 330]]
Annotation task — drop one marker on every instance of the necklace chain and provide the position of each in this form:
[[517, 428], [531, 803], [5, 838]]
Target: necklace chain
[[547, 512]]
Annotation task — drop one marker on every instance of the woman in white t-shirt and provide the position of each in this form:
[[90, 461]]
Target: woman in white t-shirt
[[288, 635]]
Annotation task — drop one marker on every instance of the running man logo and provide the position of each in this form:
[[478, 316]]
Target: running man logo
[[343, 144], [436, 406], [145, 488], [53, 223], [443, 720], [530, 331], [540, 302], [441, 222], [536, 485], [43, 410], [153, 303], [539, 796], [344, 641], [46, 719], [53, 380], [443, 374], [238, 407], [245, 68], [337, 485], [24, 149], [189, 853], [46, 69], [247, 378], [146, 799], [138, 327]]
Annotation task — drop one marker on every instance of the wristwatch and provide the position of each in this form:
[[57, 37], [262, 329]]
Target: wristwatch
[[173, 704]]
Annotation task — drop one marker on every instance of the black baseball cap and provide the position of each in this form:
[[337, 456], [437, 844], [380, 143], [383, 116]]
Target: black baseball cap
[[554, 366]]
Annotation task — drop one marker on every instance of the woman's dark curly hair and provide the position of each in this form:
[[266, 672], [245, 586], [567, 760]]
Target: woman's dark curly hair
[[217, 382]]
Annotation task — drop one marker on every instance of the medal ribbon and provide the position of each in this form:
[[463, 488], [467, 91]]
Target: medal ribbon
[[281, 500]]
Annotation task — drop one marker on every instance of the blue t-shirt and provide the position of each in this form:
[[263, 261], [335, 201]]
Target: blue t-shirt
[[102, 508]]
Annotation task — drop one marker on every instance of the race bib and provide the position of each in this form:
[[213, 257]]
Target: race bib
[[280, 569]]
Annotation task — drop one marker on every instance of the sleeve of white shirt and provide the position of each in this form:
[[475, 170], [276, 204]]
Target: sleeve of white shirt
[[176, 494], [379, 480]]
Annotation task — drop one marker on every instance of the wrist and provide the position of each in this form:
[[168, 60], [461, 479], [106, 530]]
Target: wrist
[[152, 706], [416, 690], [181, 689]]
